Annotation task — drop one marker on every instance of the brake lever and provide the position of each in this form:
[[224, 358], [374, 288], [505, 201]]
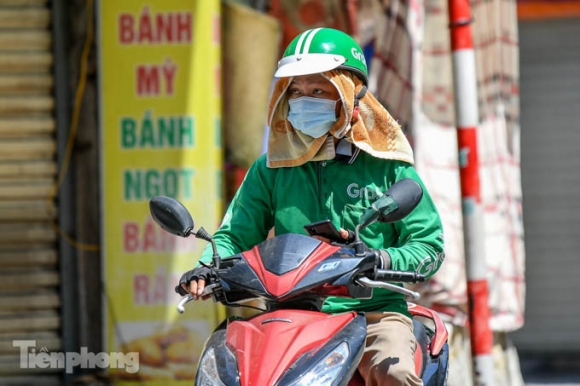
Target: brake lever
[[366, 282], [182, 302], [208, 290]]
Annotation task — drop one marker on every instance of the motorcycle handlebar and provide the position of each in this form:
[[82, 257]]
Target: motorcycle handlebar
[[381, 277], [399, 276]]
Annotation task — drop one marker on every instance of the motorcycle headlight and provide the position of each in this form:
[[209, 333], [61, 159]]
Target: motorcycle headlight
[[327, 369], [207, 372]]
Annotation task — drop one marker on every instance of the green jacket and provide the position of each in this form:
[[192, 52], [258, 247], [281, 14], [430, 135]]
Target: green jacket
[[289, 198]]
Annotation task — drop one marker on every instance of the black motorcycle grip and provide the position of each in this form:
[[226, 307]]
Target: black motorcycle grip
[[399, 276]]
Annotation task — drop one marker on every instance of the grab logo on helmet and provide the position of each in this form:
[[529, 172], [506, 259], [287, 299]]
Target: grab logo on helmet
[[358, 55], [320, 50]]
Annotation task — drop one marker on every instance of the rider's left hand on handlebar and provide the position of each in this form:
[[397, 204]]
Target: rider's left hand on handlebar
[[193, 282]]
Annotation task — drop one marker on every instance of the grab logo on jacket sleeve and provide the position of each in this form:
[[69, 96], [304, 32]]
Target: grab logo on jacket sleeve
[[430, 265]]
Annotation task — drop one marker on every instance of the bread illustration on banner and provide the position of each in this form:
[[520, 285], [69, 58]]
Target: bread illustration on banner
[[170, 352], [150, 353]]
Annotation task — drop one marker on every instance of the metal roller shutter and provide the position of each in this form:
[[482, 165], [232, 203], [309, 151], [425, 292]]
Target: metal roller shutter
[[29, 278], [550, 100]]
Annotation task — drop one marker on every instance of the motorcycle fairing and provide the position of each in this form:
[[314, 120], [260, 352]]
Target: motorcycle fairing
[[434, 357], [241, 283], [274, 277], [245, 278], [354, 333], [267, 345], [440, 334], [276, 283]]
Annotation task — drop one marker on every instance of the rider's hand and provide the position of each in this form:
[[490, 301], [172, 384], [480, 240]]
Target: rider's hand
[[193, 282], [346, 235]]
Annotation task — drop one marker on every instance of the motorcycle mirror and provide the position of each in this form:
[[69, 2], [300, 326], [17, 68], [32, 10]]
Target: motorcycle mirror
[[407, 193], [400, 200], [171, 215]]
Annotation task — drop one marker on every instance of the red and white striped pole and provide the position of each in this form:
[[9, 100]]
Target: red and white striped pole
[[467, 119]]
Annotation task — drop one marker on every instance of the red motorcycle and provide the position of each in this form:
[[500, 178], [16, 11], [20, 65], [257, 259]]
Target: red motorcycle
[[291, 342]]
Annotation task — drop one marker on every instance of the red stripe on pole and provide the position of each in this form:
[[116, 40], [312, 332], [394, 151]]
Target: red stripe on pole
[[481, 335], [469, 163], [460, 23], [477, 291]]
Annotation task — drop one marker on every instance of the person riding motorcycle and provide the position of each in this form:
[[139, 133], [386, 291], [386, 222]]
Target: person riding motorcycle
[[333, 149]]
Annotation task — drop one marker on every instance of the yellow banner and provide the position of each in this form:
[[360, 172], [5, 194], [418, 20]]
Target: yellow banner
[[160, 127]]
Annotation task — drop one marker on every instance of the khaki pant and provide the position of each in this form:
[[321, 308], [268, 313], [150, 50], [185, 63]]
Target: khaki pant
[[389, 356]]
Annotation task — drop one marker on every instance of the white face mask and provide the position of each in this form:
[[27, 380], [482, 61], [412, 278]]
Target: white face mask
[[312, 116]]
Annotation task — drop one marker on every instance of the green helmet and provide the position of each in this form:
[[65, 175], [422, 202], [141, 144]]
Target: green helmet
[[319, 50]]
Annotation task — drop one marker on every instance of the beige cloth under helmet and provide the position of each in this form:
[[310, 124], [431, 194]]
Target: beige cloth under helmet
[[374, 131]]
